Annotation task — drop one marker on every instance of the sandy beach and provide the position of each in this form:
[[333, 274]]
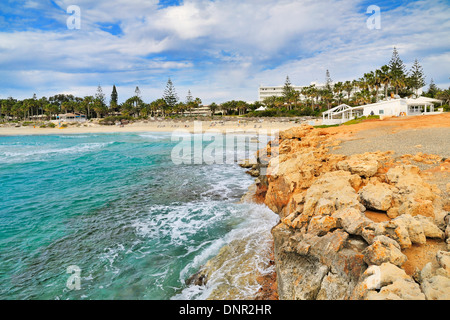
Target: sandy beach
[[234, 126]]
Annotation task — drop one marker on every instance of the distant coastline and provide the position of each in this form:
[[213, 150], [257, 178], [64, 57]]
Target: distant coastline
[[235, 126]]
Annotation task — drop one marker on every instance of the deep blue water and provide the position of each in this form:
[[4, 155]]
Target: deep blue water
[[117, 207]]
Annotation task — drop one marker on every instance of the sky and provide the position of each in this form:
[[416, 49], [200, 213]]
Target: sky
[[220, 50]]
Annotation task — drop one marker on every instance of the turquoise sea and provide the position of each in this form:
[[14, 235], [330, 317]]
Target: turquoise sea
[[116, 207]]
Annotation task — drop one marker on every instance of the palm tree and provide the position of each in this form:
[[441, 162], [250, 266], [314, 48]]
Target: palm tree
[[88, 102], [314, 94], [242, 107], [444, 95], [327, 95], [348, 87], [338, 87], [385, 79], [377, 82], [213, 107], [399, 83], [269, 101]]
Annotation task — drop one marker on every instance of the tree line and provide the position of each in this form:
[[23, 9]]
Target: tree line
[[390, 79], [97, 106]]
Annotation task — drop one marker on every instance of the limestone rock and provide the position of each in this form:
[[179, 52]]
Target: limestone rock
[[430, 229], [321, 225], [443, 258], [414, 196], [426, 272], [324, 242], [381, 251], [371, 231], [246, 164], [436, 288], [365, 165], [398, 232], [387, 282], [333, 287], [400, 289], [401, 174], [415, 229], [331, 192], [351, 220], [377, 196]]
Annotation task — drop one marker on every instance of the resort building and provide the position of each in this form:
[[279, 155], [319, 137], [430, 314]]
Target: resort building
[[393, 107], [277, 91], [71, 117], [204, 111]]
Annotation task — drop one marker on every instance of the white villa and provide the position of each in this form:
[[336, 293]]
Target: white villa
[[392, 107]]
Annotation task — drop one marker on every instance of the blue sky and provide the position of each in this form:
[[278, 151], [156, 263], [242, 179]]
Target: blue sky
[[219, 50]]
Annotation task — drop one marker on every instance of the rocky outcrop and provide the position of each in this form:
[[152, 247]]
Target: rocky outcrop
[[325, 246]]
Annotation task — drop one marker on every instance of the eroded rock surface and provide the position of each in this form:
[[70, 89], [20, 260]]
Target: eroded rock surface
[[326, 247]]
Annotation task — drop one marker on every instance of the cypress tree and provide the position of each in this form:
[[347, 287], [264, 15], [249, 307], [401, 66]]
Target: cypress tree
[[328, 80], [114, 97]]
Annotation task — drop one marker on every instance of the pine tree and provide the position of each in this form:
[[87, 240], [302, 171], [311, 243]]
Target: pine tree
[[99, 95], [99, 102], [417, 77], [137, 92], [287, 89], [170, 95], [432, 89], [288, 92], [114, 97], [397, 71], [189, 97]]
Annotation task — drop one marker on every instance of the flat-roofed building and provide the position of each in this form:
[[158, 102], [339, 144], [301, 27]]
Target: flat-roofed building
[[388, 108]]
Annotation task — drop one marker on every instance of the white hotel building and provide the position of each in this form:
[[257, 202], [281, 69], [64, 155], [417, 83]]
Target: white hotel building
[[277, 91]]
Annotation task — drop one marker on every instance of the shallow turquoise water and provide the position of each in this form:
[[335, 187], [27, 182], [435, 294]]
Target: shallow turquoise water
[[117, 207]]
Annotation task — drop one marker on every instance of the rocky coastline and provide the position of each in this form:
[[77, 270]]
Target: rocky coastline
[[363, 227]]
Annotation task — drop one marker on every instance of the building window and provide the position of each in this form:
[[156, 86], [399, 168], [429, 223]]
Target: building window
[[381, 112]]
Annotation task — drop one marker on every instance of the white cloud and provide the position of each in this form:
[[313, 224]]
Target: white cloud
[[221, 49]]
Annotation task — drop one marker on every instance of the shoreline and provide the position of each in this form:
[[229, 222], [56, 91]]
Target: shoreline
[[235, 126]]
